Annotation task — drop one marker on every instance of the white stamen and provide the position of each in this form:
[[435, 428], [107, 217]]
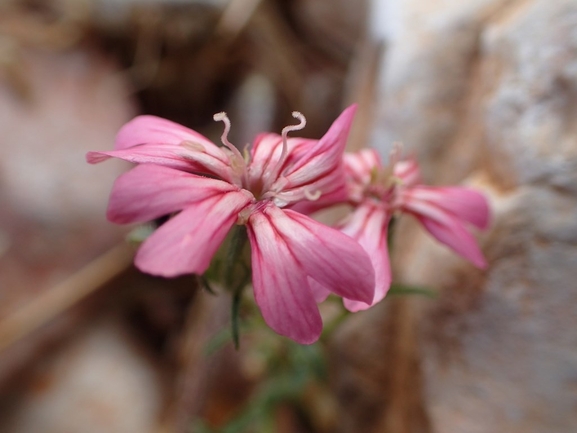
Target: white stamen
[[222, 117], [290, 128]]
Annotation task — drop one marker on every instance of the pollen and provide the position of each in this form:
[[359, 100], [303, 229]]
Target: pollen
[[191, 145]]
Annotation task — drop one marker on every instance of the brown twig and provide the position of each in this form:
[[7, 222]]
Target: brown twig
[[362, 87], [235, 17], [59, 298]]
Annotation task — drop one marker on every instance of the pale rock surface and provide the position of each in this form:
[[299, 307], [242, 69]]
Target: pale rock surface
[[71, 103], [335, 25], [431, 57], [54, 107], [531, 103], [99, 381], [485, 92]]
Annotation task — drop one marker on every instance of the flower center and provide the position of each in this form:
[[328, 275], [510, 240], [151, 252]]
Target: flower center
[[384, 182], [268, 183]]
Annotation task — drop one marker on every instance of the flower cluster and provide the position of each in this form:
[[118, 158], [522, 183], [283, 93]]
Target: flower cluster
[[271, 189], [378, 192]]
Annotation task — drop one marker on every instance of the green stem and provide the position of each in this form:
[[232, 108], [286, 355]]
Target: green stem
[[235, 319], [331, 326], [237, 267], [235, 251]]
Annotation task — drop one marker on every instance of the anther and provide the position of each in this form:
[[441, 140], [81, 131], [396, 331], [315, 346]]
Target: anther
[[243, 216], [312, 196], [191, 145], [246, 154]]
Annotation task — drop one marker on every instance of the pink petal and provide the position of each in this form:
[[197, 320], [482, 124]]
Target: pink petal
[[169, 155], [267, 148], [465, 203], [265, 153], [455, 236], [327, 190], [152, 129], [321, 165], [359, 166], [408, 171], [447, 229], [263, 170], [327, 154], [186, 243], [368, 225], [152, 140], [330, 257], [359, 170], [280, 283], [320, 292], [149, 191], [331, 195]]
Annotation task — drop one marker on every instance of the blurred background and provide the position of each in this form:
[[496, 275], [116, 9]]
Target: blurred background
[[483, 92]]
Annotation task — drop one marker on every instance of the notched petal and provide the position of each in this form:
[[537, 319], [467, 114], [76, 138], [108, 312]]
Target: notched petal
[[368, 225], [333, 259], [149, 191], [186, 243], [281, 288]]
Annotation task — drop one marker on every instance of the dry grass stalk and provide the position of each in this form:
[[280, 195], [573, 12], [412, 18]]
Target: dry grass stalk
[[51, 303]]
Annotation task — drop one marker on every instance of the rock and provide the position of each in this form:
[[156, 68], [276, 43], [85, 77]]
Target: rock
[[426, 79], [495, 349], [484, 93], [100, 381], [531, 98], [53, 203], [75, 103], [335, 26]]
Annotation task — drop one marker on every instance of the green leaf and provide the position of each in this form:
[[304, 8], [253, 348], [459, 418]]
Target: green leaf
[[405, 289], [235, 253], [391, 232], [139, 234], [235, 316], [198, 426]]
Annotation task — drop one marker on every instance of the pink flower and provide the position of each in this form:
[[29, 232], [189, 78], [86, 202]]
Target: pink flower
[[211, 188], [377, 192]]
